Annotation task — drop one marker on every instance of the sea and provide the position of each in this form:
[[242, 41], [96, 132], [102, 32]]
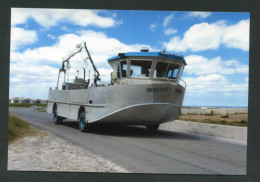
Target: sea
[[196, 106]]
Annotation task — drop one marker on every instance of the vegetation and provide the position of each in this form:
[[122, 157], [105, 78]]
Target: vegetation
[[214, 120], [18, 128], [41, 109], [26, 104]]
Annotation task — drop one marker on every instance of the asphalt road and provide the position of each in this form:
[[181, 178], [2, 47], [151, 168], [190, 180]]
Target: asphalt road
[[139, 151]]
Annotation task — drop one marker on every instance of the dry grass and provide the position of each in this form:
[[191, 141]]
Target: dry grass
[[26, 104], [17, 128], [41, 109], [233, 119]]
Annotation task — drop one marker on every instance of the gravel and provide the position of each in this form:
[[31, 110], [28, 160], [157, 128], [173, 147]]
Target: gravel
[[47, 152]]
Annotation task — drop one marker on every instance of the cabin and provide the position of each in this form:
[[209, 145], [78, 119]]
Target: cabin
[[146, 66]]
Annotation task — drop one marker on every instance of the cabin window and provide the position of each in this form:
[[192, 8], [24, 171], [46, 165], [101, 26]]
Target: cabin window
[[117, 70], [172, 71], [166, 70], [181, 70], [160, 70], [140, 68], [124, 68]]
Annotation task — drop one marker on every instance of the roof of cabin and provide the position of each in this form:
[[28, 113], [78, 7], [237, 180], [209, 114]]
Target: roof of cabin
[[149, 54]]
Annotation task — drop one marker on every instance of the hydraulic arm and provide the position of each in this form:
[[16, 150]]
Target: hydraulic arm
[[79, 47]]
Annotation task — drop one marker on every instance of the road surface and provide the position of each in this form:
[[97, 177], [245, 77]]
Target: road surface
[[139, 151]]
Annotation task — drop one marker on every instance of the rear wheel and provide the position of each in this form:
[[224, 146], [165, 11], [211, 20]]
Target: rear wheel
[[82, 122], [56, 118], [152, 128]]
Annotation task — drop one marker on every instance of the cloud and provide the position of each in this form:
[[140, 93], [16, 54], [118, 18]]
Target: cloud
[[246, 79], [119, 22], [21, 37], [205, 36], [237, 36], [65, 28], [32, 81], [51, 17], [67, 42], [170, 31], [167, 20], [199, 65], [51, 36], [42, 63], [208, 79], [153, 26], [199, 14], [214, 84]]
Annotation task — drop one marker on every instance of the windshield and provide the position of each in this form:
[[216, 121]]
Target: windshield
[[121, 69], [166, 70], [140, 68]]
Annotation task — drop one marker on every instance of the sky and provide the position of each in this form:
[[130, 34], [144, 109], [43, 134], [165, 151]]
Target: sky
[[215, 46]]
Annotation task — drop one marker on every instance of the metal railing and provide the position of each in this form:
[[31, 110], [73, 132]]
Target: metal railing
[[184, 83]]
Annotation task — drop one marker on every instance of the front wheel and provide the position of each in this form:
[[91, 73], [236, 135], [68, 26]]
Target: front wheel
[[82, 122], [56, 118], [152, 128]]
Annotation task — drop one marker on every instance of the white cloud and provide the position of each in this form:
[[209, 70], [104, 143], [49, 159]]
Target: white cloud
[[119, 22], [209, 77], [42, 63], [31, 80], [51, 36], [51, 17], [214, 84], [106, 74], [153, 26], [67, 42], [21, 37], [170, 31], [246, 79], [199, 14], [199, 65], [64, 28], [237, 36], [167, 20], [205, 36]]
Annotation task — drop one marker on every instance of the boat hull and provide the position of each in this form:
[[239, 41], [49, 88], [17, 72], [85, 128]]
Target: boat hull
[[139, 104], [143, 114]]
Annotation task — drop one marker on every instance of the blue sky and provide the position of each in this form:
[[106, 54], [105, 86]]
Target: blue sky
[[214, 44]]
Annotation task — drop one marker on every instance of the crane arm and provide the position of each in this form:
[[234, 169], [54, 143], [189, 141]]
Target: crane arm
[[77, 50]]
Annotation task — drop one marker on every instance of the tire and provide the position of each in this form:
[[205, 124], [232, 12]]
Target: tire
[[82, 122], [56, 118], [152, 128]]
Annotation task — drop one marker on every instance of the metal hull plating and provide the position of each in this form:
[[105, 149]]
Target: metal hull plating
[[143, 114], [137, 104]]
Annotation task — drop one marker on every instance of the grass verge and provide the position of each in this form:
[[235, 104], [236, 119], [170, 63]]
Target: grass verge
[[17, 128], [41, 109], [26, 104], [242, 123]]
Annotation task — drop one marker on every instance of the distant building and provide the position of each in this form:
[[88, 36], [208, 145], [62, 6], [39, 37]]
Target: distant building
[[32, 101], [44, 101], [27, 100], [17, 100], [38, 101]]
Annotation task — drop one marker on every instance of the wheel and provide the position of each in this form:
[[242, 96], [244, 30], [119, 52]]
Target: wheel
[[82, 122], [57, 119], [152, 128]]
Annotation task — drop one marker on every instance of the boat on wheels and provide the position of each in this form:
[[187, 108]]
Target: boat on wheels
[[145, 89]]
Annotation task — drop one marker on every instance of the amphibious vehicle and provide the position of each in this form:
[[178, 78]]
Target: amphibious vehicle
[[145, 89]]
